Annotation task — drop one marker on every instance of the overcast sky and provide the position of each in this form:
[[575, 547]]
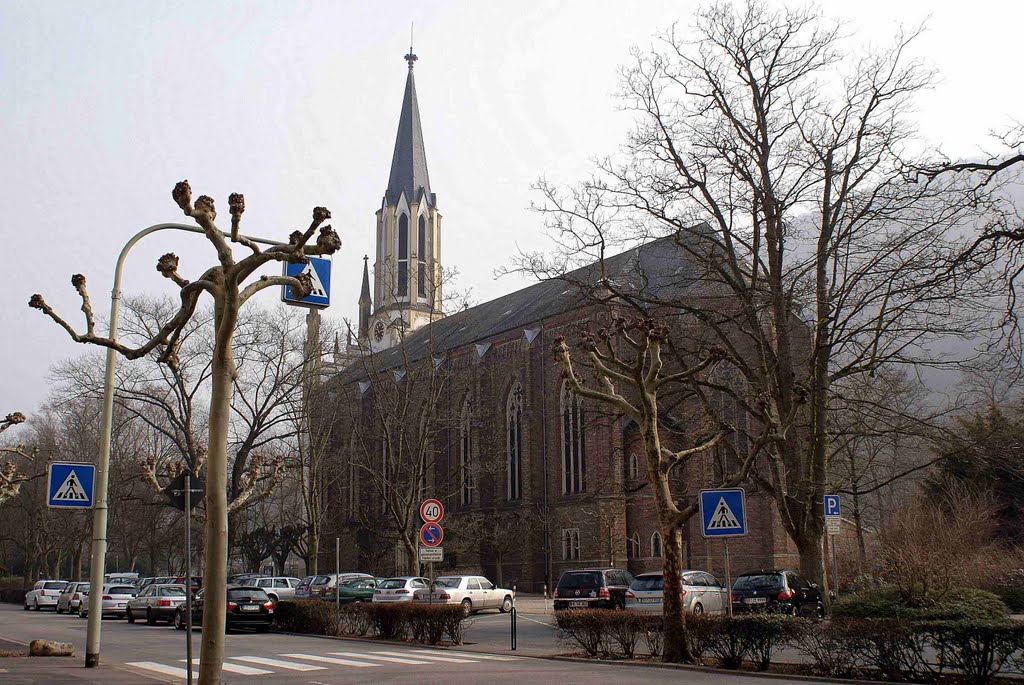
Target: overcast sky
[[105, 105]]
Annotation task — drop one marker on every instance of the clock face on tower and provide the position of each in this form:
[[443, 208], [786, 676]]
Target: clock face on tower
[[378, 331]]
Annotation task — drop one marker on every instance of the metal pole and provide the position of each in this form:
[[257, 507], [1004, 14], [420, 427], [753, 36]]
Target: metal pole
[[728, 576], [513, 614], [188, 574], [835, 567], [337, 568], [98, 552]]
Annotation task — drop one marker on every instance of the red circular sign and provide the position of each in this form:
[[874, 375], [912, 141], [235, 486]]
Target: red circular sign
[[431, 511], [431, 534]]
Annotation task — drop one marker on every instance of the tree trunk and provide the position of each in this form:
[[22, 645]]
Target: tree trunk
[[211, 657], [412, 553], [812, 566], [676, 649]]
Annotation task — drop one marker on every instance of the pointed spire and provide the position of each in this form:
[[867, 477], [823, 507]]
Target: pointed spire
[[365, 301], [409, 162]]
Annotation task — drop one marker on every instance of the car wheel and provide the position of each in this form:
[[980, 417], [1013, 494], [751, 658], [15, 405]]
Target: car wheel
[[506, 605], [150, 618], [82, 613], [820, 611], [273, 598], [35, 605], [130, 616], [25, 606], [698, 609], [794, 610], [58, 609], [179, 621], [467, 607]]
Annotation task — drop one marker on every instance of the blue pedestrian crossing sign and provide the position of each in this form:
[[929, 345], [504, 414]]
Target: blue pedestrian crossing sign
[[69, 486], [722, 513], [832, 505], [319, 270]]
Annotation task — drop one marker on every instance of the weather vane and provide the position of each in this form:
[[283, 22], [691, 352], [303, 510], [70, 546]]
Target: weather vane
[[411, 57]]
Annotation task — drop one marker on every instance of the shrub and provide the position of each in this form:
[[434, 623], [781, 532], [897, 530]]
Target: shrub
[[1013, 597], [314, 618], [389, 621], [12, 596], [353, 620], [830, 648], [957, 604], [700, 631], [978, 651], [625, 629], [429, 624], [585, 627], [654, 635], [893, 647], [767, 633]]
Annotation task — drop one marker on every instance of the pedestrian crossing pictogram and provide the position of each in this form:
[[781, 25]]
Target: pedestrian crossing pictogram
[[723, 518], [71, 490]]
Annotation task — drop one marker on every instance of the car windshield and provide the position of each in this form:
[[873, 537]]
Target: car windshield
[[763, 581], [122, 590], [580, 579], [393, 584], [647, 583], [82, 587], [248, 593], [172, 591], [55, 586], [320, 580], [448, 582]]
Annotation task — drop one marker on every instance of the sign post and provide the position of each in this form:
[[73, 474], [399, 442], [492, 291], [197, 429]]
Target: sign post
[[833, 523], [182, 487], [723, 515], [431, 511]]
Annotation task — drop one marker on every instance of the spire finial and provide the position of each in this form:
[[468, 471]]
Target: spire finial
[[411, 57]]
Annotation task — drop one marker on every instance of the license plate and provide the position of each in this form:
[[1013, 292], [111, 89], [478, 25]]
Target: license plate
[[755, 600], [650, 600], [577, 604], [121, 606], [250, 607]]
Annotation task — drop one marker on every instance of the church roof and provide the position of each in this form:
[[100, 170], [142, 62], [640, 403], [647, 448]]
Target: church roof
[[409, 162], [660, 270]]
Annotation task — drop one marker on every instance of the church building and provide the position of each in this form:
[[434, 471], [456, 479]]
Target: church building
[[534, 480]]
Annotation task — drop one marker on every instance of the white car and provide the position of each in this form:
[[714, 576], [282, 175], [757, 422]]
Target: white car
[[400, 589], [71, 597], [44, 594], [278, 587], [702, 593], [474, 593], [115, 600]]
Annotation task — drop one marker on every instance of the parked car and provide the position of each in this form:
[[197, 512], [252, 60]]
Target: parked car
[[592, 588], [71, 597], [144, 582], [474, 593], [323, 586], [121, 577], [156, 602], [302, 589], [701, 593], [782, 591], [357, 591], [399, 589], [196, 584], [277, 587], [248, 607], [44, 594], [114, 602], [243, 578]]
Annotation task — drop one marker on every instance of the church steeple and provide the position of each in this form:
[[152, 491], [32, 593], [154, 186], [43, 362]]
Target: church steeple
[[365, 302], [407, 266], [409, 161]]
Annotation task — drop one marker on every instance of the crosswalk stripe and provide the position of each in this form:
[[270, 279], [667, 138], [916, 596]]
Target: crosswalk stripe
[[161, 668], [421, 655], [236, 668], [330, 660], [465, 655], [390, 659], [264, 661]]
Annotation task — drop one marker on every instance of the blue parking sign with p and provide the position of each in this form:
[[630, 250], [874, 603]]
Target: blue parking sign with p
[[832, 505], [69, 486]]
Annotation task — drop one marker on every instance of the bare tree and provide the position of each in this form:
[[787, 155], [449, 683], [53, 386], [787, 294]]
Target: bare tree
[[10, 481], [775, 160], [223, 282]]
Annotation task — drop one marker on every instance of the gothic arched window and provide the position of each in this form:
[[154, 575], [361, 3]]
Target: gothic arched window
[[514, 460], [571, 544], [421, 255], [403, 256], [466, 455], [656, 545], [632, 466], [574, 445]]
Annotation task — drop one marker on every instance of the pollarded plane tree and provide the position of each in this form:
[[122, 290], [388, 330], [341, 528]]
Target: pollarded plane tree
[[224, 282], [10, 480], [638, 371]]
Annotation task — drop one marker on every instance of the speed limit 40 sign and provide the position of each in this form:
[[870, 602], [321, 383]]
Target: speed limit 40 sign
[[431, 511]]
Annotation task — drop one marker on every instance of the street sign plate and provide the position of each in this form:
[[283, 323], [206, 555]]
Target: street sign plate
[[431, 553], [431, 511], [319, 269], [722, 513], [832, 507], [175, 492], [833, 524], [69, 486], [431, 534]]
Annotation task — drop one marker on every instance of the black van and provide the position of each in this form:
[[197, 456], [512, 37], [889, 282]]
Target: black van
[[592, 588]]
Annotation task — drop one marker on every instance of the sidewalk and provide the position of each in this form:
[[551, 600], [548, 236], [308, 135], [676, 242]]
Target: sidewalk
[[527, 603], [62, 670]]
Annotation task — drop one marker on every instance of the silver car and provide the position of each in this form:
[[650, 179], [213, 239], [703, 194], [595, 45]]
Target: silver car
[[115, 600], [156, 602], [474, 593], [277, 587], [399, 589], [44, 594], [702, 593], [71, 597]]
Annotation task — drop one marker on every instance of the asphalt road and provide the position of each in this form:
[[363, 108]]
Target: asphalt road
[[156, 654]]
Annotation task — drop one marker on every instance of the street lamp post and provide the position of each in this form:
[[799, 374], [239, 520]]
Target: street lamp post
[[98, 553]]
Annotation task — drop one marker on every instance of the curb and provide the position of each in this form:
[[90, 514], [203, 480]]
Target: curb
[[709, 669]]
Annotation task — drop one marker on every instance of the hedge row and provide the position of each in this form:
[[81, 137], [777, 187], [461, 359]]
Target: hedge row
[[955, 604], [888, 649], [12, 596], [429, 624]]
